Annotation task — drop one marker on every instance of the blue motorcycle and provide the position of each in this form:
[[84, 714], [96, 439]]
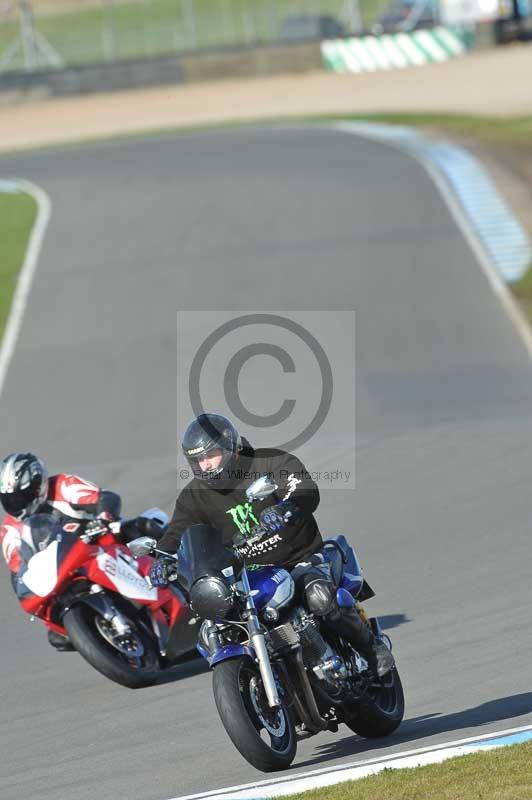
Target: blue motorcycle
[[278, 674]]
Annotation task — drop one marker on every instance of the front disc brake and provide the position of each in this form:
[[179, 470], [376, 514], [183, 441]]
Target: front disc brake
[[126, 643], [272, 719]]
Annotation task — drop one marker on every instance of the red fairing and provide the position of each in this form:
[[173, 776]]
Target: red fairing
[[75, 557], [105, 563]]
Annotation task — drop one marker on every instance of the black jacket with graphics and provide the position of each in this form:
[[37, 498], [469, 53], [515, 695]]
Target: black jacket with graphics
[[226, 507]]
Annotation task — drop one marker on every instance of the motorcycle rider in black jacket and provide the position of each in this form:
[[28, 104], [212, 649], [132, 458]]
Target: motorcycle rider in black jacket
[[224, 465]]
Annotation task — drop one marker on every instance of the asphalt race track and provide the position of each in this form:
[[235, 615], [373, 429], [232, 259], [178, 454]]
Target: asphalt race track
[[284, 220]]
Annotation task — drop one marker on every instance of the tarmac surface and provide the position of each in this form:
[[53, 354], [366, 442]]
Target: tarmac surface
[[289, 220]]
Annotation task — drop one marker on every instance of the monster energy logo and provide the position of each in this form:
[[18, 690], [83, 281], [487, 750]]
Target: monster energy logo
[[243, 517]]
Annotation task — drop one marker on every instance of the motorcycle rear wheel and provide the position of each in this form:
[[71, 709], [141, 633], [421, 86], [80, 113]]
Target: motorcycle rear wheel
[[245, 715], [82, 625], [382, 715]]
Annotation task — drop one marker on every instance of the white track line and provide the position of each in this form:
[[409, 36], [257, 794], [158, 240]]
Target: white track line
[[329, 776], [497, 284], [25, 278]]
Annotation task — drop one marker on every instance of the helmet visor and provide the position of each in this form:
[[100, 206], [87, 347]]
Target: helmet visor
[[15, 503], [208, 465]]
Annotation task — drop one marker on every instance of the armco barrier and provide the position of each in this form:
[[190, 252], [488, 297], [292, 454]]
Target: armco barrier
[[186, 68], [394, 51], [94, 77]]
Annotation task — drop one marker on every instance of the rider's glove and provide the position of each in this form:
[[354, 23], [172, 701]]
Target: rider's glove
[[274, 518], [161, 572], [140, 526], [149, 527], [290, 510]]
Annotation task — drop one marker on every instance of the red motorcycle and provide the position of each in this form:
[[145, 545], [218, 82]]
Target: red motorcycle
[[93, 589]]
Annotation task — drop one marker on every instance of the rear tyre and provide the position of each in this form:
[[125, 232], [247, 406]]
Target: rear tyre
[[265, 737], [86, 629], [383, 715]]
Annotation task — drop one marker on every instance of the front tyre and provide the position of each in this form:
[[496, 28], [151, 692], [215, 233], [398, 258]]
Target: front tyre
[[264, 736], [132, 662], [383, 713]]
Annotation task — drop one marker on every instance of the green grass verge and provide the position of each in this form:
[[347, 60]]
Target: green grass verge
[[522, 290], [502, 774], [17, 215], [139, 28]]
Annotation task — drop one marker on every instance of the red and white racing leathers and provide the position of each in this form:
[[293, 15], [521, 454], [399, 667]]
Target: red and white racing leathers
[[63, 490]]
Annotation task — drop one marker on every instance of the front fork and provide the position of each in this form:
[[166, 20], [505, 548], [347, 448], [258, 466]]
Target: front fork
[[258, 643], [103, 604]]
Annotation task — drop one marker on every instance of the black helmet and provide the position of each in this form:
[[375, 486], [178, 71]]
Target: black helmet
[[206, 433], [23, 484]]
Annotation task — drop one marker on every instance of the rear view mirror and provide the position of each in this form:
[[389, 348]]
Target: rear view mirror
[[261, 488], [142, 546]]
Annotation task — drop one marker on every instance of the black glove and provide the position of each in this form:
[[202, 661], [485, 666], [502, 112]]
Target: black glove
[[162, 571], [149, 527], [291, 511], [140, 526], [274, 518]]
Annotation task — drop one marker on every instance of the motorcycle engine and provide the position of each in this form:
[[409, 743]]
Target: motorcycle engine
[[313, 644], [318, 656]]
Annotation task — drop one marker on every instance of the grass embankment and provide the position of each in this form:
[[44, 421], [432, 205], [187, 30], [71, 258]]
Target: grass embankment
[[522, 290], [106, 31], [17, 215], [505, 131], [502, 774]]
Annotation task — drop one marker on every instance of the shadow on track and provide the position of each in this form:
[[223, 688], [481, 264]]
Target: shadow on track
[[186, 669], [389, 621], [505, 708]]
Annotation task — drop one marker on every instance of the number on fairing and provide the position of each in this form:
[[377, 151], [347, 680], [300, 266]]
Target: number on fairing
[[126, 579]]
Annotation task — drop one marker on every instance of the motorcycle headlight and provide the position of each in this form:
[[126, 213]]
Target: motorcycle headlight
[[211, 597]]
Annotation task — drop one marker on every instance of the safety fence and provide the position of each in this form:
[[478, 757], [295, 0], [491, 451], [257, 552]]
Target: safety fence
[[42, 34]]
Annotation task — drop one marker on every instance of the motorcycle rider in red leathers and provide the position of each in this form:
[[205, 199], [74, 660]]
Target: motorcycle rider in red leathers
[[26, 489]]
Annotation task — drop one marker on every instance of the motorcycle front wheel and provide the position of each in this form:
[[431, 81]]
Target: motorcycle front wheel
[[264, 736], [129, 660]]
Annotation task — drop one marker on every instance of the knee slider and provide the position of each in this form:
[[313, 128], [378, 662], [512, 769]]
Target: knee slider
[[320, 597]]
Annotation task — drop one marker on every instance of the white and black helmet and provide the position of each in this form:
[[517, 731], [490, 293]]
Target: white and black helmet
[[23, 484], [206, 433]]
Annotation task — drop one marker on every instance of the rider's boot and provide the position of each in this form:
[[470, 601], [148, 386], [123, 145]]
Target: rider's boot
[[60, 642], [347, 623]]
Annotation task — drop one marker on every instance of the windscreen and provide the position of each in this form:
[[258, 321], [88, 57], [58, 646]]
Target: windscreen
[[201, 552]]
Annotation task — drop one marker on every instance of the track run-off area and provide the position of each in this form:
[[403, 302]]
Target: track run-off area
[[294, 219]]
